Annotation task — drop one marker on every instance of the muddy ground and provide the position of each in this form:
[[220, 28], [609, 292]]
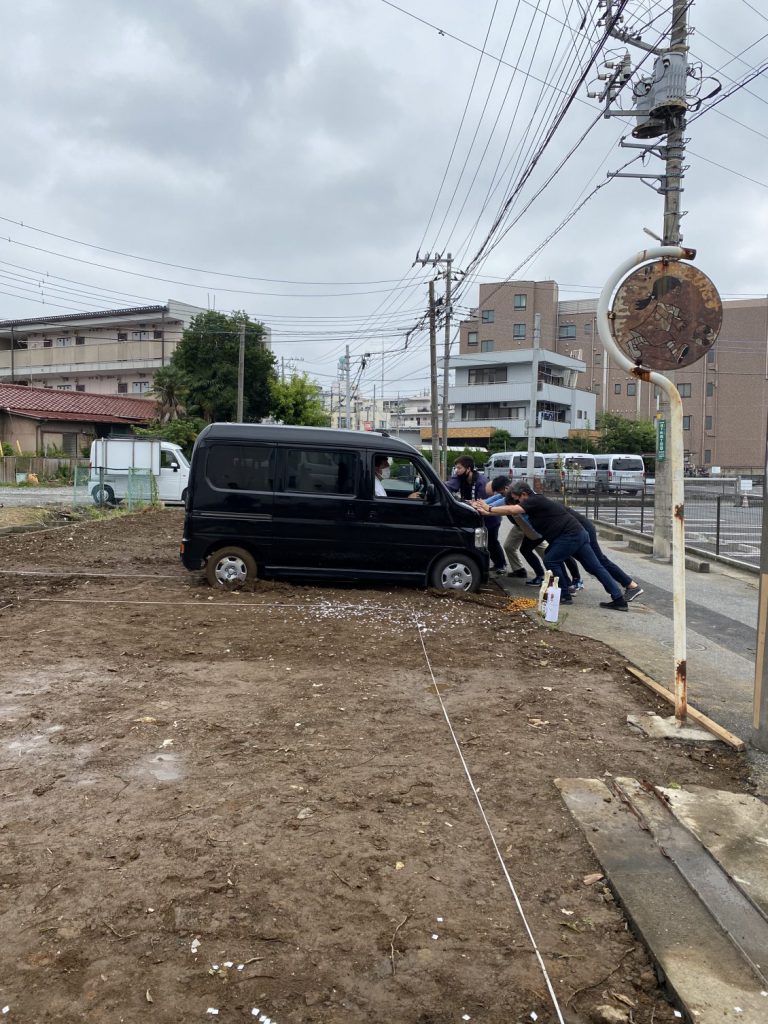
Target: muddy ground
[[254, 801]]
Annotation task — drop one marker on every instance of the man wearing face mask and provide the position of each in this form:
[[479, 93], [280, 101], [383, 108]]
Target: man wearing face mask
[[467, 482], [380, 463]]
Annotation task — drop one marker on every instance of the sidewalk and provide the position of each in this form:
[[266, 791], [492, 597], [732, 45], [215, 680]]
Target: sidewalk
[[721, 634]]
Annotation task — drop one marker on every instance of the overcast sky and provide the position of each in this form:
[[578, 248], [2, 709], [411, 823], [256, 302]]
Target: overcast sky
[[301, 144]]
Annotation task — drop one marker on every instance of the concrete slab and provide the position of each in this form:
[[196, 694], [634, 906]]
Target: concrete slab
[[703, 969], [737, 916], [734, 829], [658, 728]]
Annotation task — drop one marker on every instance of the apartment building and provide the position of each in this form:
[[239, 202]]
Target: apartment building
[[725, 396], [110, 352]]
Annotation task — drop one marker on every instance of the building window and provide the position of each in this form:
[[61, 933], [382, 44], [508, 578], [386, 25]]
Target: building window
[[617, 389], [710, 388], [79, 387], [140, 335], [595, 389], [711, 356], [486, 346], [518, 330], [138, 387], [122, 336], [685, 390], [686, 422], [472, 338], [488, 316], [48, 343], [63, 342], [122, 388], [632, 389], [488, 375], [587, 328], [157, 335], [708, 456], [567, 331], [521, 302], [80, 339], [578, 414], [707, 422], [63, 387]]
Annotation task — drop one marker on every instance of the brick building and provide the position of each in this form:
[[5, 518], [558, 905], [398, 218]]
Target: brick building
[[725, 396]]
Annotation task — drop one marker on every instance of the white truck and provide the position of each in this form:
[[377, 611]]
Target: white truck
[[121, 467]]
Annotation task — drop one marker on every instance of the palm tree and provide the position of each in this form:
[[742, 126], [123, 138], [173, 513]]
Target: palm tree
[[169, 387]]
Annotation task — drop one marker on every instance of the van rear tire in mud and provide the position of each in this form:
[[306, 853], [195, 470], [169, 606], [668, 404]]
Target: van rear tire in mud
[[230, 567]]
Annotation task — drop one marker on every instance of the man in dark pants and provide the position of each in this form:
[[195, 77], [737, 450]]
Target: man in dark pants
[[631, 588], [565, 536]]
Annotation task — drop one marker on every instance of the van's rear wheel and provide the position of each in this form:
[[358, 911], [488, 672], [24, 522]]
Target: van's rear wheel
[[230, 567], [103, 495], [455, 572]]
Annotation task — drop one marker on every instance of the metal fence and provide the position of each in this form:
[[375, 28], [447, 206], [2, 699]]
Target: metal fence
[[720, 519]]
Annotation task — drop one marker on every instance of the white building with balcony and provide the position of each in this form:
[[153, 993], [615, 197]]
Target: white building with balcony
[[109, 352], [493, 390]]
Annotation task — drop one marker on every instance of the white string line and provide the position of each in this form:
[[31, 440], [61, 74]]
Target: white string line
[[190, 604], [518, 904], [105, 575]]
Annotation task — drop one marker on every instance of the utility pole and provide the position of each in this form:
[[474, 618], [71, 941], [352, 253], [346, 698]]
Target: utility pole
[[446, 365], [434, 261], [433, 379], [348, 389], [532, 412], [241, 374], [660, 107]]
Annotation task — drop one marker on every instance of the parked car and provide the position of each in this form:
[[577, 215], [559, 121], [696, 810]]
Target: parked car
[[616, 472], [299, 502]]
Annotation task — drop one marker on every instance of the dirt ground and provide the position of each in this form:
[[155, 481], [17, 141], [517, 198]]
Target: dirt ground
[[253, 802]]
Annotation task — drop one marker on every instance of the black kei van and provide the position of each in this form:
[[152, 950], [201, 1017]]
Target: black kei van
[[300, 502]]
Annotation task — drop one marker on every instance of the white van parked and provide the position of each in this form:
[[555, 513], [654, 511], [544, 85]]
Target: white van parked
[[113, 458], [617, 472], [514, 465]]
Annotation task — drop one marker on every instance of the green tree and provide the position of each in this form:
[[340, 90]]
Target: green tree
[[298, 401], [182, 432], [501, 441], [169, 387], [207, 360], [622, 435]]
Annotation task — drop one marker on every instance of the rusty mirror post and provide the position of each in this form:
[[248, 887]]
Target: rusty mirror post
[[665, 315]]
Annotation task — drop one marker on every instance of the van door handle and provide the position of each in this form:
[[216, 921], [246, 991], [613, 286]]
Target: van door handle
[[350, 514], [373, 516]]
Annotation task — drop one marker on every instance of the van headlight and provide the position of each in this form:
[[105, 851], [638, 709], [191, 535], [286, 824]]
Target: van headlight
[[481, 538]]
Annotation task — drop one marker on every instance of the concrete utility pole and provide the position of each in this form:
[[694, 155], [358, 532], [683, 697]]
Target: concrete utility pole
[[348, 391], [532, 412], [241, 374], [660, 108], [435, 261], [433, 379], [446, 365]]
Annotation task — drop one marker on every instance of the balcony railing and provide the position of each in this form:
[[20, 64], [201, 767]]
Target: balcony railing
[[80, 358]]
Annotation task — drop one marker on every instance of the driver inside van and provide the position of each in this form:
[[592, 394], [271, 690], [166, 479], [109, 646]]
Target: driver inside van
[[380, 463]]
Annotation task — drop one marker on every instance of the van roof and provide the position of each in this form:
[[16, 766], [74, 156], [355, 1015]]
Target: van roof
[[325, 436]]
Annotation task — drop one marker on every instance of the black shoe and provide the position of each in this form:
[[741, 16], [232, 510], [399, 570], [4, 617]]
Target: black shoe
[[535, 582], [630, 595], [618, 604], [519, 574]]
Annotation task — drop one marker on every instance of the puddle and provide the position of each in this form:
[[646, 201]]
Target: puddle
[[165, 767]]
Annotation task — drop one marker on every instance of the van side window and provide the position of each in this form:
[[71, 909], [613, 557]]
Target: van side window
[[320, 472], [241, 467]]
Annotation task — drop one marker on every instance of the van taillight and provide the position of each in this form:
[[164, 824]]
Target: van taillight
[[181, 548], [610, 473]]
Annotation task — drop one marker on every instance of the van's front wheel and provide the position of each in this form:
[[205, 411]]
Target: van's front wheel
[[230, 567], [455, 572]]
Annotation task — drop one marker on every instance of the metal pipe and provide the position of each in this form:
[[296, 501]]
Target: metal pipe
[[675, 438]]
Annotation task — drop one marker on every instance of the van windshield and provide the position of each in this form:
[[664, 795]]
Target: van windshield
[[581, 461], [628, 464]]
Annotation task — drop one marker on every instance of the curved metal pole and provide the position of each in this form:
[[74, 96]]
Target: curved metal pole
[[675, 451]]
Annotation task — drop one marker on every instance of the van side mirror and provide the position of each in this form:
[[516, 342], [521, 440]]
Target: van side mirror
[[430, 492], [175, 467]]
